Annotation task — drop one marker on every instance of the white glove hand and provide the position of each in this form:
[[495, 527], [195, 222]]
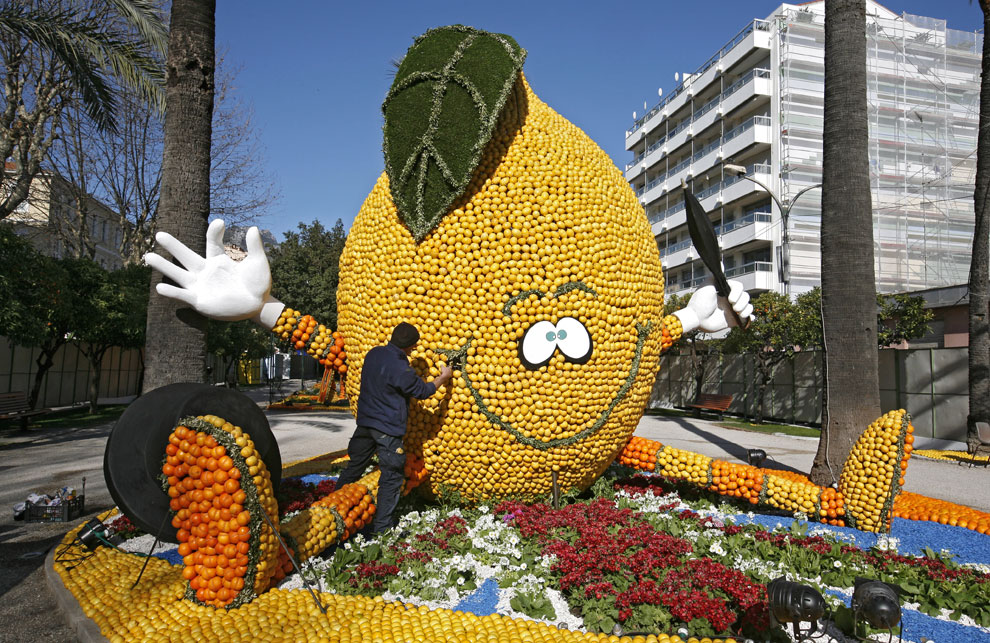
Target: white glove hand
[[711, 313], [219, 287]]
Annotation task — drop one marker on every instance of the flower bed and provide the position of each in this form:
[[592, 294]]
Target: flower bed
[[641, 552], [653, 554]]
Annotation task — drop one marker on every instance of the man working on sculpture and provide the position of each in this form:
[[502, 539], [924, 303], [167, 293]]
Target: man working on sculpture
[[387, 383]]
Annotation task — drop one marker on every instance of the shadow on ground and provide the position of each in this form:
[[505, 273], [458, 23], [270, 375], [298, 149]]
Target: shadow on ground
[[734, 449]]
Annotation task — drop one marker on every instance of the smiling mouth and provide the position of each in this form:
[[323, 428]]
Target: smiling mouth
[[453, 356]]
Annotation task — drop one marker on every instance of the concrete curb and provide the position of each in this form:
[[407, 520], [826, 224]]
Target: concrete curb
[[85, 628]]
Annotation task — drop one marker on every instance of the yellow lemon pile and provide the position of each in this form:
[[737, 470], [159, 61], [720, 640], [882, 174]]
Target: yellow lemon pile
[[156, 610]]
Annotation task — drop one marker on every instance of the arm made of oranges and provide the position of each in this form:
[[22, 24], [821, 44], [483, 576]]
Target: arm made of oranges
[[869, 493], [302, 332]]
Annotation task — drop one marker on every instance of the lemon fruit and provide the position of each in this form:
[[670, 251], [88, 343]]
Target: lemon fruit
[[541, 282]]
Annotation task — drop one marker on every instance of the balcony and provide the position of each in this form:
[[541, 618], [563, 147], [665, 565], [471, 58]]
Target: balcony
[[756, 275], [705, 120], [751, 227], [675, 247], [660, 216], [691, 284], [755, 82], [682, 256], [678, 172], [750, 132], [648, 156]]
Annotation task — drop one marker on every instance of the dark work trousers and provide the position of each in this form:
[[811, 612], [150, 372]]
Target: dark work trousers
[[392, 461]]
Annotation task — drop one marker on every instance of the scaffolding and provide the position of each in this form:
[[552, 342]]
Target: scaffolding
[[923, 85]]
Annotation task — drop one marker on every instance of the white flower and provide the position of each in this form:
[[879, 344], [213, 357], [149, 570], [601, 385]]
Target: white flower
[[716, 548], [460, 580], [837, 563], [887, 543]]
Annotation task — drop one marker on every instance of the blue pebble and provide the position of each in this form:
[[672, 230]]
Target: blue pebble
[[171, 555], [316, 478], [482, 601], [965, 545]]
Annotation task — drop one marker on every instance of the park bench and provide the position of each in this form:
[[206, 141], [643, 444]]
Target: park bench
[[17, 406], [711, 402]]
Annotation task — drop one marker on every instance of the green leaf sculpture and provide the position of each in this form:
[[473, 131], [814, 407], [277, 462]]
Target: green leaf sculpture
[[440, 114]]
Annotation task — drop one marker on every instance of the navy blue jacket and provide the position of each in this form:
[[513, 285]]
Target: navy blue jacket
[[387, 383]]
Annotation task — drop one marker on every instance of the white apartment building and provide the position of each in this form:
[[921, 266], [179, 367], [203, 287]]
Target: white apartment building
[[50, 216], [758, 103]]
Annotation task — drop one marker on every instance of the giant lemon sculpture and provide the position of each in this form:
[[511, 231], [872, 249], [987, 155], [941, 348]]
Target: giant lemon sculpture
[[541, 280]]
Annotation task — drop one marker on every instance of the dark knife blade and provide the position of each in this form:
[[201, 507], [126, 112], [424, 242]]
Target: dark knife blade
[[706, 243]]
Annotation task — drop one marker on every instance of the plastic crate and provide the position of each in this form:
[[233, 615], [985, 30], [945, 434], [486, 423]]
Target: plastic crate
[[69, 510]]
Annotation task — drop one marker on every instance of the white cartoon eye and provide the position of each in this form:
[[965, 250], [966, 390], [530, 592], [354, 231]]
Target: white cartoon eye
[[573, 340], [538, 345]]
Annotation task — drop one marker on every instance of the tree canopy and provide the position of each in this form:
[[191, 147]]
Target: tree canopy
[[306, 270]]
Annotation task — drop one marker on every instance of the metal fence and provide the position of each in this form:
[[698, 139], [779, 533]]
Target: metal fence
[[67, 382], [931, 384]]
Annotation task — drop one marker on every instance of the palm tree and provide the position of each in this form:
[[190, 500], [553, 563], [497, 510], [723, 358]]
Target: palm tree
[[979, 268], [175, 350], [849, 307], [90, 51], [54, 56]]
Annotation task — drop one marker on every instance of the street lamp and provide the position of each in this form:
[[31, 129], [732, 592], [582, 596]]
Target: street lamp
[[784, 258]]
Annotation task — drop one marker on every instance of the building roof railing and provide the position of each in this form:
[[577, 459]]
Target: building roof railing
[[755, 25]]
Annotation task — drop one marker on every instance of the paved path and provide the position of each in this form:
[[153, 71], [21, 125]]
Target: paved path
[[42, 461]]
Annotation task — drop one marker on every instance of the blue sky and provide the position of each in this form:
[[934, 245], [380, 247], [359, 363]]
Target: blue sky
[[316, 73]]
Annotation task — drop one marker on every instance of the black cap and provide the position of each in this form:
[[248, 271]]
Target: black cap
[[404, 335]]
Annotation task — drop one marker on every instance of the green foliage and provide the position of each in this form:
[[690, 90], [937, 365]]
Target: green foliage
[[231, 341], [30, 287], [306, 270], [238, 339], [901, 318], [49, 302], [439, 116], [771, 338], [40, 306], [674, 303], [117, 303], [112, 312], [533, 604], [774, 329]]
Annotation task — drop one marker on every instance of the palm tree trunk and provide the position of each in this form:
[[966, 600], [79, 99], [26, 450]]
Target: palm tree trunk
[[176, 344], [979, 267], [849, 308]]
